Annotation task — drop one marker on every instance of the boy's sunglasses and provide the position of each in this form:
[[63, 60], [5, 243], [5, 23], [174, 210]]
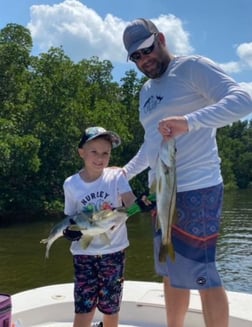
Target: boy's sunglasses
[[135, 56]]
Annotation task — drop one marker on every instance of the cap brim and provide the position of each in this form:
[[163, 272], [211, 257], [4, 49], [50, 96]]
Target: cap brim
[[115, 138], [141, 44]]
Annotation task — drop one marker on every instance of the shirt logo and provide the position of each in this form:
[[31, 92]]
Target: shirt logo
[[151, 103]]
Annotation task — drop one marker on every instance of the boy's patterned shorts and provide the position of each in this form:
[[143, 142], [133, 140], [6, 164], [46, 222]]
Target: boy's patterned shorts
[[98, 282]]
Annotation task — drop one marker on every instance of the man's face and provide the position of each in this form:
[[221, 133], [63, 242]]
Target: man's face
[[152, 61]]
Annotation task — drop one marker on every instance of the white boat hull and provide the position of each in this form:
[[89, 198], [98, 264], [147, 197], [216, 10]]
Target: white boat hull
[[142, 306]]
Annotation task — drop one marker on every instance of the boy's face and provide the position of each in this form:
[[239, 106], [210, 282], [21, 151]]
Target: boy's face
[[96, 154]]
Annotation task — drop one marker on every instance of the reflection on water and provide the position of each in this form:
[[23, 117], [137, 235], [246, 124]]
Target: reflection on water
[[235, 244], [23, 265]]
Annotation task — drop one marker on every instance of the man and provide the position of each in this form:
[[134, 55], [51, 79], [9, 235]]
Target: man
[[186, 98]]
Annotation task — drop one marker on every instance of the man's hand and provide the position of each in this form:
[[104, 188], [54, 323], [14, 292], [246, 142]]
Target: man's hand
[[173, 126], [72, 235]]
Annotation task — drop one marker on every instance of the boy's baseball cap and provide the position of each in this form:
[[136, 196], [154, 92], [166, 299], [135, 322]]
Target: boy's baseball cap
[[139, 34], [93, 132]]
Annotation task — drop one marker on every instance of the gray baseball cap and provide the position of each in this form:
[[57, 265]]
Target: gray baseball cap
[[139, 34], [93, 132]]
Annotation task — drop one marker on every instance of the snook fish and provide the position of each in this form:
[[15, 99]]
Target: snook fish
[[100, 224], [166, 188], [97, 224]]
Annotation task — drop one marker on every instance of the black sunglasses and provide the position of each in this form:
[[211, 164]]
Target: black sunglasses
[[135, 56]]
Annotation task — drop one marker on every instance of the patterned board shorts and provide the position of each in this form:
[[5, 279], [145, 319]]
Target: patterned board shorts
[[98, 282], [194, 237]]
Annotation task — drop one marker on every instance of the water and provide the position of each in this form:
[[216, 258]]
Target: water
[[23, 265], [235, 244]]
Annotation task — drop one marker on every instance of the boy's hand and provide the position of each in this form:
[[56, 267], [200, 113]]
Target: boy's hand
[[72, 235], [144, 203]]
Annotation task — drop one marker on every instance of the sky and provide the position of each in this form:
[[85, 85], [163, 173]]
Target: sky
[[218, 29]]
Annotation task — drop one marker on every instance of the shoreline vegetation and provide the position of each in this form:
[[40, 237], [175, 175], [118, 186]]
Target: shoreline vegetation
[[47, 101]]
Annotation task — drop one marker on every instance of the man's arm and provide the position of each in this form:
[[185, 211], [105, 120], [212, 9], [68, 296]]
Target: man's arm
[[137, 164]]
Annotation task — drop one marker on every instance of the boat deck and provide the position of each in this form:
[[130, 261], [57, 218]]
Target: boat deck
[[142, 306], [70, 324]]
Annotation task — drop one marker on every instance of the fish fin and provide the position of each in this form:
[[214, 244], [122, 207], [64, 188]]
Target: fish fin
[[47, 254], [159, 185], [85, 241], [44, 241], [120, 209], [153, 187], [166, 249], [157, 224], [74, 227], [102, 214], [105, 238], [162, 253]]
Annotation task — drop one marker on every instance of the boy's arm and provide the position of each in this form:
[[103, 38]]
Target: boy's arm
[[135, 204], [128, 199]]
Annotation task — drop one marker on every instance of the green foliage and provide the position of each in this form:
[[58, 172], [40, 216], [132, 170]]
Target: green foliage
[[235, 149], [46, 103]]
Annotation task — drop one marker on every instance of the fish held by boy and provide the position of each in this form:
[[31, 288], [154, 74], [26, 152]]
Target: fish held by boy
[[101, 222], [91, 225], [166, 189]]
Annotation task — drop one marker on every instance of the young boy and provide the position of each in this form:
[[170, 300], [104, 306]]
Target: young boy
[[99, 268]]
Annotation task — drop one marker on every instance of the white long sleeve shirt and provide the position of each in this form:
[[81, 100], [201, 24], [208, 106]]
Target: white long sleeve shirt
[[196, 88]]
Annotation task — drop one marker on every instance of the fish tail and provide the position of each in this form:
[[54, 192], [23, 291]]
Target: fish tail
[[166, 249], [85, 241], [162, 253], [47, 253]]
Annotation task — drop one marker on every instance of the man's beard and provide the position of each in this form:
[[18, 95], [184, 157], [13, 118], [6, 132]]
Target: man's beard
[[158, 72]]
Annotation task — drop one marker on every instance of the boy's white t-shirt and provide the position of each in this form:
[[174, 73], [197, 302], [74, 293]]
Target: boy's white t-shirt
[[105, 192]]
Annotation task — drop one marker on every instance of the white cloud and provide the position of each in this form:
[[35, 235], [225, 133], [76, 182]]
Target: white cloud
[[247, 87], [83, 33], [231, 67], [177, 38], [244, 51]]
